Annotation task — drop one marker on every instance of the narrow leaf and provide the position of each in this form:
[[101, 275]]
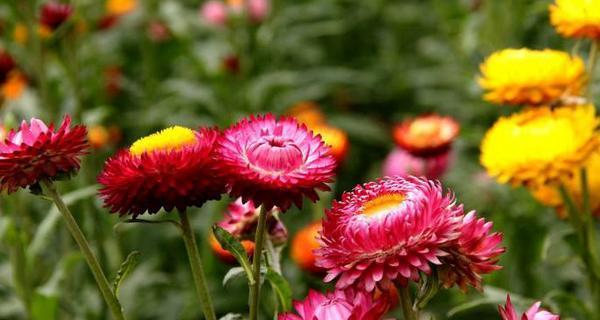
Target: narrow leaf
[[282, 287], [231, 244], [233, 273], [126, 267]]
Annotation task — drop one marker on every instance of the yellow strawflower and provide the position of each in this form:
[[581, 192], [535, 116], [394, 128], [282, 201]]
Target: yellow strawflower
[[576, 18], [540, 145], [549, 195], [531, 77]]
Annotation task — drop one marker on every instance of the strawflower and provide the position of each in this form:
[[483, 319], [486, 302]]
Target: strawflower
[[401, 163], [540, 145], [120, 7], [531, 77], [274, 162], [533, 313], [173, 168], [214, 13], [241, 220], [54, 14], [303, 246], [336, 139], [340, 305], [37, 152], [576, 18], [388, 231], [426, 135]]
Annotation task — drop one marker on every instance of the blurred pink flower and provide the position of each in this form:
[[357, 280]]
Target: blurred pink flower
[[214, 13], [402, 163], [534, 313], [258, 9]]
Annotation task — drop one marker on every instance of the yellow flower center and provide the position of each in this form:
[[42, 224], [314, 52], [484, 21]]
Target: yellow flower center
[[382, 204], [172, 138]]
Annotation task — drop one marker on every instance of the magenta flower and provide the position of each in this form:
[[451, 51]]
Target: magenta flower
[[340, 305], [274, 162], [401, 163], [36, 152], [241, 220], [258, 9], [534, 312], [214, 13], [388, 231]]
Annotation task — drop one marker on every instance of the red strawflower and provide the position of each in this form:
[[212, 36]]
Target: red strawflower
[[274, 162], [54, 14], [534, 312], [7, 64], [390, 230], [36, 152], [174, 168], [426, 135], [340, 305]]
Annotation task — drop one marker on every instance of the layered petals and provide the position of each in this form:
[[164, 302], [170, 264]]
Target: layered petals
[[533, 313], [35, 152], [171, 169], [576, 18], [401, 163], [426, 135], [274, 162]]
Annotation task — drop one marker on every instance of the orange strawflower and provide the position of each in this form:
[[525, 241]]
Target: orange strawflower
[[98, 136], [120, 7], [14, 85], [335, 138], [225, 255], [308, 113], [305, 241], [426, 135]]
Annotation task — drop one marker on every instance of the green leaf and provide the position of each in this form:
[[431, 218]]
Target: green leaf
[[231, 244], [232, 316], [126, 267], [233, 273], [427, 290], [282, 287], [44, 307]]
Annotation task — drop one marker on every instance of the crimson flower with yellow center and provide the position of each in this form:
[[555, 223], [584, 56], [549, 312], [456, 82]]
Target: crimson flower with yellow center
[[274, 162], [531, 77], [173, 168], [388, 231], [540, 145], [36, 152], [426, 135], [576, 18]]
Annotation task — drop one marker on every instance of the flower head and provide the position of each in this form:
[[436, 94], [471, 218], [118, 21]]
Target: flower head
[[308, 113], [54, 14], [335, 138], [401, 163], [534, 312], [540, 145], [531, 77], [426, 135], [576, 18], [241, 220], [214, 13], [173, 168], [391, 229], [7, 65], [36, 152], [258, 10], [274, 162], [303, 246], [117, 8], [340, 305]]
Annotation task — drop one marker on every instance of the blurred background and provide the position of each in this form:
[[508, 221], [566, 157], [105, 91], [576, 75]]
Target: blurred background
[[127, 68]]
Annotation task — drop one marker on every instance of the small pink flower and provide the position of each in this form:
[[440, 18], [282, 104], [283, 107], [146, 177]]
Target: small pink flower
[[390, 230], [401, 163], [36, 152], [534, 312], [214, 13], [340, 305], [274, 162], [241, 219], [258, 10]]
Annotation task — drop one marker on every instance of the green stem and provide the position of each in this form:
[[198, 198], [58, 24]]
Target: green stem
[[593, 58], [196, 264], [258, 245], [590, 241], [103, 284], [407, 305]]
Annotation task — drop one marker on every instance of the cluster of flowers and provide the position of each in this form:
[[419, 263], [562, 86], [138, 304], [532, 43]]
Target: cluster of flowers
[[555, 135]]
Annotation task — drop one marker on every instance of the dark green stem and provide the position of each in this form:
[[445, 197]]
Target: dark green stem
[[407, 305], [196, 264], [258, 245], [90, 258]]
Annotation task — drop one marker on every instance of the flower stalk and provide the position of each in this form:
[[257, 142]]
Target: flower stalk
[[196, 265], [90, 258], [407, 305], [258, 243]]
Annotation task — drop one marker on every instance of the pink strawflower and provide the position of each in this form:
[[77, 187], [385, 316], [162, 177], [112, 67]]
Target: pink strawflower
[[401, 163], [258, 10], [274, 162], [340, 305], [36, 152], [534, 312], [214, 13], [241, 220], [391, 229]]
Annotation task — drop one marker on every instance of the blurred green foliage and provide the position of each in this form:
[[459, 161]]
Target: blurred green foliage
[[368, 64]]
